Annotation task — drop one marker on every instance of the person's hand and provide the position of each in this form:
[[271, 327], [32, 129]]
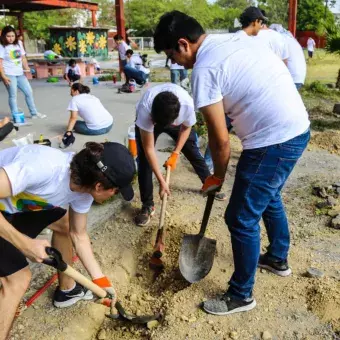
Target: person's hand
[[211, 185], [35, 249], [172, 161], [163, 189], [104, 283], [27, 71], [6, 81]]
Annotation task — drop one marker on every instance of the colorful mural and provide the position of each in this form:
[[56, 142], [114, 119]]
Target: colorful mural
[[79, 42]]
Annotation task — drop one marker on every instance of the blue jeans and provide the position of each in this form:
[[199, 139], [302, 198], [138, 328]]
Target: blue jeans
[[207, 154], [178, 75], [260, 176], [81, 127], [139, 76], [298, 86], [21, 83]]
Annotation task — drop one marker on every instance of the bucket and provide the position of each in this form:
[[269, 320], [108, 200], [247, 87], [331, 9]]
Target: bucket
[[18, 117], [132, 141], [95, 81]]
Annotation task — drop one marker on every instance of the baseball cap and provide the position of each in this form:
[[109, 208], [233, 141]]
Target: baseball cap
[[251, 14], [118, 166]]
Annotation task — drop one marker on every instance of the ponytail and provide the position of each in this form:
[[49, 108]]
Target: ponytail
[[81, 88]]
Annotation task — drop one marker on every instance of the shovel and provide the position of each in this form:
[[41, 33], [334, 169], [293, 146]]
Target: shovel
[[197, 252], [55, 260]]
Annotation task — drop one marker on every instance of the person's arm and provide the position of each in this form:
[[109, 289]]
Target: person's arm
[[218, 137], [34, 249], [182, 138], [150, 154], [5, 79], [72, 120], [25, 64]]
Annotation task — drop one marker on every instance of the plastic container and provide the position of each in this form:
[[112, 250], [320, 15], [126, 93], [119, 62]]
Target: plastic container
[[114, 79], [19, 117], [132, 141], [95, 81]]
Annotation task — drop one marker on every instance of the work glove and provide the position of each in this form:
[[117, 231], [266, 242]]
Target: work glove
[[105, 284], [211, 185], [171, 161], [68, 140]]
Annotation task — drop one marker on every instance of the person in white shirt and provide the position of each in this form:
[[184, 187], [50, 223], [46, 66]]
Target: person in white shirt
[[253, 22], [134, 68], [310, 47], [296, 61], [96, 119], [43, 187], [13, 64], [251, 84], [164, 108], [72, 72]]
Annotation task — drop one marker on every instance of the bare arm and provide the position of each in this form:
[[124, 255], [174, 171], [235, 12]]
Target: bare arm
[[218, 137], [25, 64], [32, 248], [82, 244], [72, 120], [182, 138]]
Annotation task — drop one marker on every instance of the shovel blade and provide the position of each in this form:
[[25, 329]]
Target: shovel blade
[[196, 257]]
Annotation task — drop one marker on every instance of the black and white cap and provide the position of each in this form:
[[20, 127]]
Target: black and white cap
[[118, 166]]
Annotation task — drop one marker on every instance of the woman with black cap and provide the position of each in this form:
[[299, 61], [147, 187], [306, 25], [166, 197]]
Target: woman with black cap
[[41, 187]]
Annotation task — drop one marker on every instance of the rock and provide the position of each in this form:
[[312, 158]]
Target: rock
[[335, 211], [331, 86], [336, 108], [320, 191], [210, 322], [139, 312], [332, 202], [337, 185], [336, 222], [152, 324], [184, 318], [266, 336], [133, 297], [233, 335], [101, 335], [192, 319], [314, 273]]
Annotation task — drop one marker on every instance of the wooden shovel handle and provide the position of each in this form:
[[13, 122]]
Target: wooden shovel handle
[[164, 200]]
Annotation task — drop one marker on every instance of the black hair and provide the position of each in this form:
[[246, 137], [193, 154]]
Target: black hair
[[173, 26], [118, 37], [5, 30], [80, 88], [72, 62], [248, 16], [165, 108], [84, 169], [129, 52]]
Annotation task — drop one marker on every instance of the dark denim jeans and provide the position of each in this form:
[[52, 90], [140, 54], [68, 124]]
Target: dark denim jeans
[[260, 175]]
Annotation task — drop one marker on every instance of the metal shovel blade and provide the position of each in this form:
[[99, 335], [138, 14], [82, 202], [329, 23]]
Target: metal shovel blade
[[196, 257]]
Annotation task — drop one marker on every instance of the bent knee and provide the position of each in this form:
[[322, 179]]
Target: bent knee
[[17, 282]]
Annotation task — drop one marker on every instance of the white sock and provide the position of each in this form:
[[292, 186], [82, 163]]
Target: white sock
[[68, 290]]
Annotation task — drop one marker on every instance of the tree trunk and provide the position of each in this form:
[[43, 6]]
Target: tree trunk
[[337, 85]]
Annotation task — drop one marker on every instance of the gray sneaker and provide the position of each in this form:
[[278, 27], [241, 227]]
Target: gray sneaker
[[226, 304], [38, 115]]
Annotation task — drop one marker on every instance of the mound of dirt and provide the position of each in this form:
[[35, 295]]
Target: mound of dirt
[[327, 140]]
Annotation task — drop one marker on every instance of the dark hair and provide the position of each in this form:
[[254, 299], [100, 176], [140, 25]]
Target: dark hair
[[175, 25], [165, 108], [129, 52], [118, 37], [5, 30], [84, 169], [81, 88], [250, 15], [72, 62]]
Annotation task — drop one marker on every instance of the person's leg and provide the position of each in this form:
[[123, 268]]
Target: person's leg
[[132, 73], [81, 128], [75, 77], [25, 87], [12, 90], [174, 75], [12, 290], [183, 74]]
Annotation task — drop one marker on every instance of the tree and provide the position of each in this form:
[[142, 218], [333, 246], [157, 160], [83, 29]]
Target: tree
[[333, 44], [276, 11]]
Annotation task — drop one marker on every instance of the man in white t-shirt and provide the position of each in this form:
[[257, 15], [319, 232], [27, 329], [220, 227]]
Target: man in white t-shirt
[[253, 22], [296, 61], [72, 72], [177, 73], [164, 108], [248, 82], [310, 47]]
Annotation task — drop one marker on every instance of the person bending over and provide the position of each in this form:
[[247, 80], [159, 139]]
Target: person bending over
[[72, 72]]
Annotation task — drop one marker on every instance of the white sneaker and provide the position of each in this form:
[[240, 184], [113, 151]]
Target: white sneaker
[[38, 115]]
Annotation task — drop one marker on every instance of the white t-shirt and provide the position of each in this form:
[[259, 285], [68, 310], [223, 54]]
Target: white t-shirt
[[175, 66], [310, 44], [75, 69], [40, 180], [256, 88], [91, 110], [186, 114], [12, 59], [296, 60], [122, 48], [137, 63], [274, 41]]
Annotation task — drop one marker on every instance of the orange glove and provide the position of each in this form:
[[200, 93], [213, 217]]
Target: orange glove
[[211, 185], [104, 283], [171, 161]]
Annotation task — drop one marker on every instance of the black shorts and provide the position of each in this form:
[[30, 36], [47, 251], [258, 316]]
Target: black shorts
[[30, 224], [310, 54]]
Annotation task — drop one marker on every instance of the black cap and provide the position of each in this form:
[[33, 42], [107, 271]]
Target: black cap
[[252, 14], [118, 166]]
